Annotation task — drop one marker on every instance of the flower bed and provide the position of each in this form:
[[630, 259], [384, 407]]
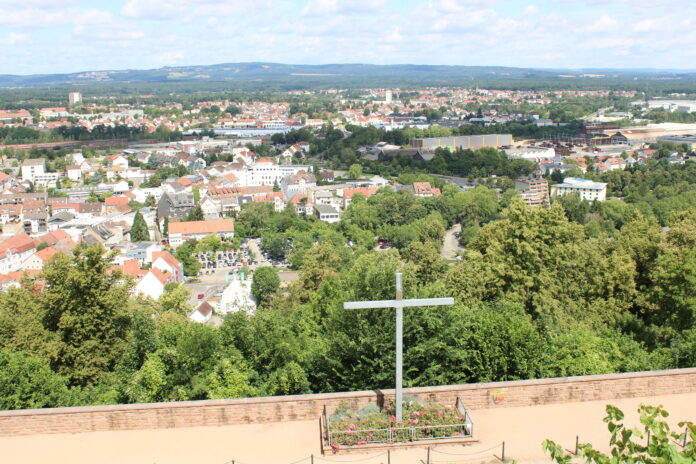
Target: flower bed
[[420, 422]]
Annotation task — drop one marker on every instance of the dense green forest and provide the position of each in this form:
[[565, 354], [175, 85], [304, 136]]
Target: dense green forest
[[568, 290]]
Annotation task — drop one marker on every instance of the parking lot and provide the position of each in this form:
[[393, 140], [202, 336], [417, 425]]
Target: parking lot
[[217, 268]]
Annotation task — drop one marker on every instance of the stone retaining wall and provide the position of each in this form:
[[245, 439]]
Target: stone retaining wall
[[309, 407]]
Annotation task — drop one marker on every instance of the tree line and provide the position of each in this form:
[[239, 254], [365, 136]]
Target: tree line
[[539, 293]]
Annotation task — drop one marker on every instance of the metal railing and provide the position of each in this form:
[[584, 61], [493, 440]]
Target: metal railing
[[400, 434]]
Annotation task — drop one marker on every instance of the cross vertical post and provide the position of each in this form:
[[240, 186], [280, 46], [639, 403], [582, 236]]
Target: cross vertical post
[[398, 304], [399, 346]]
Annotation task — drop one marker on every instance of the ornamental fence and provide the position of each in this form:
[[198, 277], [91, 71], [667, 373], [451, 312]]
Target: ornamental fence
[[355, 438]]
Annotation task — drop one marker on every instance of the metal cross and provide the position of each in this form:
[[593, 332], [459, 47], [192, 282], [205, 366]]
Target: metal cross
[[399, 304]]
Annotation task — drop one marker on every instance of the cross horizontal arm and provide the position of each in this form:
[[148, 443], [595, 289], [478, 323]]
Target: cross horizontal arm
[[398, 303]]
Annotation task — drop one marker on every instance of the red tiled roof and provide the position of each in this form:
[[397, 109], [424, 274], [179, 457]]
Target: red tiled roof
[[116, 201], [47, 253], [167, 257], [422, 188], [16, 244], [365, 191], [161, 276], [202, 227]]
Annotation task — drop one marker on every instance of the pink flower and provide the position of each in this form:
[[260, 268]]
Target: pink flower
[[352, 427], [335, 447], [439, 413], [393, 418]]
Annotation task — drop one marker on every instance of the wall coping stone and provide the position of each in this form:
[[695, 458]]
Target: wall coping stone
[[317, 397]]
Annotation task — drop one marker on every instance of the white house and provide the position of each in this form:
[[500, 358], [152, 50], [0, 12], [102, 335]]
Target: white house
[[38, 260], [210, 209], [327, 213], [14, 251], [202, 313], [298, 183], [32, 168], [165, 262], [153, 283], [118, 160], [587, 189], [73, 172]]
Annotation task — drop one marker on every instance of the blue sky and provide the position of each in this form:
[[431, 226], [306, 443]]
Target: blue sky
[[47, 36]]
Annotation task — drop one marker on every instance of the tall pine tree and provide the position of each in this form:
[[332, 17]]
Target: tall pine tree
[[139, 231]]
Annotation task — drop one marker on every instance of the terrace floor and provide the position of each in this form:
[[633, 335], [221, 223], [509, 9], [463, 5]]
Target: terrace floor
[[522, 428]]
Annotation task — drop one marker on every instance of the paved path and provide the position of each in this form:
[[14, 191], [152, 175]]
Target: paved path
[[450, 245], [522, 428]]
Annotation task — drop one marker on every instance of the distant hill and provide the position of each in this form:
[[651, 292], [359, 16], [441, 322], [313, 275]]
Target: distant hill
[[259, 75]]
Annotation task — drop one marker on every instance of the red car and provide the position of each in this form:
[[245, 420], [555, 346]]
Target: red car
[[200, 296]]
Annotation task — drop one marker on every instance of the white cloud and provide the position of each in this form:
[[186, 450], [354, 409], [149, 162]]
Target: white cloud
[[14, 38], [151, 33], [341, 7], [154, 9], [605, 23]]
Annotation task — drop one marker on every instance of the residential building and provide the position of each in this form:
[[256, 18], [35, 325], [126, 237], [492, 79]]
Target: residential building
[[32, 168], [533, 190], [302, 203], [297, 183], [14, 251], [74, 98], [327, 213], [167, 263], [153, 283], [73, 172], [10, 214], [179, 232], [424, 189], [349, 193], [174, 206], [587, 189], [119, 161], [202, 313], [38, 260]]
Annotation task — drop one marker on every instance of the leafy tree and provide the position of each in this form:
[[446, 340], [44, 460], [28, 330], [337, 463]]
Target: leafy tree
[[175, 298], [276, 245], [355, 171], [185, 255], [230, 380], [28, 382], [196, 214], [149, 382], [290, 379], [430, 266], [266, 283], [628, 445], [139, 231], [537, 257], [84, 305]]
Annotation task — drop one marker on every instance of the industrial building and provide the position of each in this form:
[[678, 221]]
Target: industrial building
[[688, 139], [472, 142], [531, 153]]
